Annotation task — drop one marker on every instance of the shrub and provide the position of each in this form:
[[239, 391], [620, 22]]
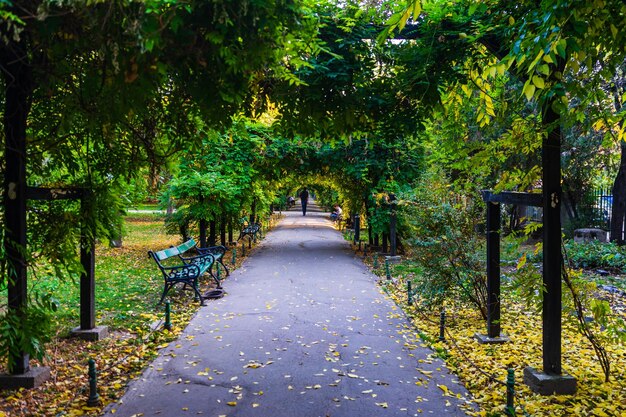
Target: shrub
[[445, 243]]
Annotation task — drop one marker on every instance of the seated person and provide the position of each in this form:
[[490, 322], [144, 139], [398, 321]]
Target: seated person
[[291, 201], [336, 215]]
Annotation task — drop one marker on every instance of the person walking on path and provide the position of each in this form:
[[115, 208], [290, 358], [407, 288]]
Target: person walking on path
[[304, 199]]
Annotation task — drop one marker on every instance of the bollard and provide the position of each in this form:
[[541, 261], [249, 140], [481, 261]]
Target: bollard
[[387, 271], [510, 392], [94, 398], [375, 261], [442, 326], [365, 250], [409, 293], [168, 312], [234, 260], [359, 245], [243, 247]]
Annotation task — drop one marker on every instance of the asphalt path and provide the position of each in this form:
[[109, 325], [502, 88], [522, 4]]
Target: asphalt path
[[304, 330]]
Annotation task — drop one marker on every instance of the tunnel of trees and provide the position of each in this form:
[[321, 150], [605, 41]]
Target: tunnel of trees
[[222, 109]]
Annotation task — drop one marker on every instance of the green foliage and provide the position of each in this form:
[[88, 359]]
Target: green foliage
[[595, 254], [27, 330], [590, 255], [527, 283], [445, 243]]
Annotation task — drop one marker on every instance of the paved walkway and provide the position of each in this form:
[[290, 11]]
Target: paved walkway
[[302, 331]]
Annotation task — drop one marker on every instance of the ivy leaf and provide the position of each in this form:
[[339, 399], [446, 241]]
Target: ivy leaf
[[529, 90], [538, 82]]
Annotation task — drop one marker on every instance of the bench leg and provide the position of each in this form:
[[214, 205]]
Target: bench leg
[[217, 281], [197, 291], [166, 289], [224, 266]]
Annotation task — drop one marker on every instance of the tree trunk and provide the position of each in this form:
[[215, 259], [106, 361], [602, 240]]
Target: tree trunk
[[618, 209], [212, 233]]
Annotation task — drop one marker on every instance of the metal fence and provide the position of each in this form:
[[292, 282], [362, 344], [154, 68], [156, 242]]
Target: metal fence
[[602, 204]]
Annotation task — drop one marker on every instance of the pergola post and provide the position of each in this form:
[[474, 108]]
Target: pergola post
[[551, 380], [493, 274], [18, 87], [88, 329], [16, 109]]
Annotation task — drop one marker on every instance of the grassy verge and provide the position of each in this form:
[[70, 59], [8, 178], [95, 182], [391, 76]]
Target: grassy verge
[[483, 368]]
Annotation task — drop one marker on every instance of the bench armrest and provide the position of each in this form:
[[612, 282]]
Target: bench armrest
[[181, 271], [212, 250], [202, 258]]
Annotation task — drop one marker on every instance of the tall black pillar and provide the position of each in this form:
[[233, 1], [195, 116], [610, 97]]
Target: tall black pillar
[[392, 224], [493, 270], [87, 278], [552, 260], [18, 82]]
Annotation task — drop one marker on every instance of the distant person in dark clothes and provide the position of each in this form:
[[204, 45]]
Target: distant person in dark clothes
[[304, 199]]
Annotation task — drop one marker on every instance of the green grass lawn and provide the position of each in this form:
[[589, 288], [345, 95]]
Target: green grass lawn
[[128, 283]]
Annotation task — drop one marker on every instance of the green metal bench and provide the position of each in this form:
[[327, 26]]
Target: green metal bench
[[249, 229], [218, 252], [177, 268]]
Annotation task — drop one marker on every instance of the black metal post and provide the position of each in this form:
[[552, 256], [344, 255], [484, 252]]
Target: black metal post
[[392, 232], [392, 224], [230, 231], [493, 270], [88, 277], [442, 326], [357, 228], [18, 88], [552, 260], [510, 392], [94, 397], [168, 316]]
